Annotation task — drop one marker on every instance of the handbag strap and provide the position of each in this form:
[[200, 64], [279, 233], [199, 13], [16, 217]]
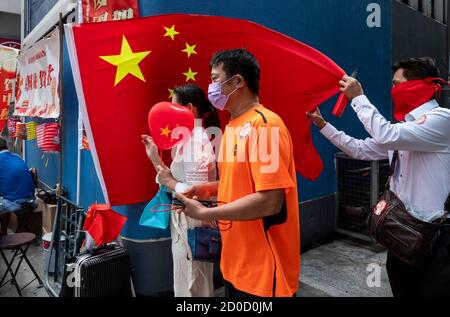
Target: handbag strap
[[391, 170], [388, 186], [180, 230]]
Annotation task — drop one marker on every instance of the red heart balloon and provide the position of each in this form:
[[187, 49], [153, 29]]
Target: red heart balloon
[[163, 118]]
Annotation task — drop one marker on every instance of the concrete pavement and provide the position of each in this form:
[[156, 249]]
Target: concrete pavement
[[336, 269]]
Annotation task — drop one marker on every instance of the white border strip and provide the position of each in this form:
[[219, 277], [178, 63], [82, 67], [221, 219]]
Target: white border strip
[[79, 140], [71, 47]]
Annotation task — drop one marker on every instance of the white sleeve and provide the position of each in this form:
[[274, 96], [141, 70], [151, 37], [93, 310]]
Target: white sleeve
[[181, 187], [366, 149], [430, 135]]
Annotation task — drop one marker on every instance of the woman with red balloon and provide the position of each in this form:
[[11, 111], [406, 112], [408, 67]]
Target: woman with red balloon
[[193, 162]]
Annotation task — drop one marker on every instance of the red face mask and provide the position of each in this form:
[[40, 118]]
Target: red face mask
[[411, 94]]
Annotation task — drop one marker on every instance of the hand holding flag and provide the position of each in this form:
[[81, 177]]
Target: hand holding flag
[[342, 102]]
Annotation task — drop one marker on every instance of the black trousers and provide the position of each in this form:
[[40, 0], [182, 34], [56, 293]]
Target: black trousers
[[431, 279], [232, 292]]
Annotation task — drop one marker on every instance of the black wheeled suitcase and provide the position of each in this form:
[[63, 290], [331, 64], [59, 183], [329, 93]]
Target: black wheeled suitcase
[[104, 272]]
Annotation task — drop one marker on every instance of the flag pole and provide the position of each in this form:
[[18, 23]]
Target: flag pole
[[60, 103]]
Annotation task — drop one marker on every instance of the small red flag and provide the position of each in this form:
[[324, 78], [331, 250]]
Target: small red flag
[[103, 223]]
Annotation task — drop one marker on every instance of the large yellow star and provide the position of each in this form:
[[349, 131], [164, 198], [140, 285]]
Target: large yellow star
[[190, 75], [189, 50], [171, 32], [165, 131], [127, 62]]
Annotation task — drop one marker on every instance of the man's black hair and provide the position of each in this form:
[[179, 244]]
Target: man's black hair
[[239, 62], [3, 144], [417, 68]]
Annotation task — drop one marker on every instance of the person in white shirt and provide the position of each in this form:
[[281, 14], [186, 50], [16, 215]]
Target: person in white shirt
[[421, 136], [193, 163]]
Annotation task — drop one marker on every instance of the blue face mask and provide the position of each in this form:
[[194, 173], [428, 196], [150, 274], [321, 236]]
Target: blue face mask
[[218, 100]]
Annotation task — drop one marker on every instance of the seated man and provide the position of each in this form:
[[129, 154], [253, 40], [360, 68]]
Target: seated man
[[16, 184]]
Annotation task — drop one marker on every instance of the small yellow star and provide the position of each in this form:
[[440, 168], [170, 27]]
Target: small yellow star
[[189, 50], [171, 93], [171, 32], [190, 75], [165, 131]]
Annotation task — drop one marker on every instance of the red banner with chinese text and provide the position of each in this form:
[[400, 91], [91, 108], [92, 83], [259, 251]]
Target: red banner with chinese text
[[8, 61], [109, 10]]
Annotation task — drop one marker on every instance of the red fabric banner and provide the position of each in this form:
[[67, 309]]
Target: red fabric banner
[[123, 68], [109, 10], [8, 63]]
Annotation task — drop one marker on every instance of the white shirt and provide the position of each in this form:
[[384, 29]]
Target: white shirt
[[193, 163], [422, 174]]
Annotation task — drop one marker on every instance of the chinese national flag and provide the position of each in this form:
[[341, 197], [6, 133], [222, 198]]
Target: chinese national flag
[[103, 223], [123, 68]]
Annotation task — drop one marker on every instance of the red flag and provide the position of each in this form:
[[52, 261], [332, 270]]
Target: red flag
[[8, 57], [340, 105], [103, 223], [123, 68], [342, 101], [104, 10]]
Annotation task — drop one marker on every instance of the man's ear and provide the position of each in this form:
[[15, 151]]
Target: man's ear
[[240, 81], [192, 108]]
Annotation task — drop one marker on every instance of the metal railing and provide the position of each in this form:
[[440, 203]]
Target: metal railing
[[65, 242]]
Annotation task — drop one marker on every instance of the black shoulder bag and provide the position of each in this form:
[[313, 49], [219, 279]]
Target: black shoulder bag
[[391, 225]]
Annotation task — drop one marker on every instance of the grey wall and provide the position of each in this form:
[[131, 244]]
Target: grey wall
[[414, 34], [10, 26]]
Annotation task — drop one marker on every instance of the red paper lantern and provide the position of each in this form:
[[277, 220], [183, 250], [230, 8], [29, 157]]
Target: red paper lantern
[[52, 139], [12, 127], [163, 118], [21, 131], [40, 135]]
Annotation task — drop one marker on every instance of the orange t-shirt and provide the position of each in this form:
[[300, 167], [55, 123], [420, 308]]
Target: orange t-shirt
[[256, 258]]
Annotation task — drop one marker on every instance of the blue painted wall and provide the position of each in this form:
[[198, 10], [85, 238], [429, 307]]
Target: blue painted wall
[[337, 28]]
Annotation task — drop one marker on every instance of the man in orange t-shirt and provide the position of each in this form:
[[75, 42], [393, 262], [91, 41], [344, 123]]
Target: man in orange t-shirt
[[260, 218]]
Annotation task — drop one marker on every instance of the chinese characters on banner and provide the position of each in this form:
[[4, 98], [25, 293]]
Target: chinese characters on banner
[[109, 10], [8, 63], [38, 79]]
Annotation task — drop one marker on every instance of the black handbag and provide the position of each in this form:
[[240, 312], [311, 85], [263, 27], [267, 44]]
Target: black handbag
[[205, 244], [405, 236]]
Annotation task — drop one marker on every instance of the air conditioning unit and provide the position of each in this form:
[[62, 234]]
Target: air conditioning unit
[[359, 184]]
